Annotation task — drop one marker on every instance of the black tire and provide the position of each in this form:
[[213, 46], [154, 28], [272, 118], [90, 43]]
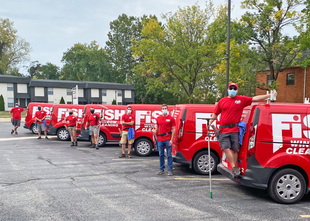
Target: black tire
[[200, 163], [102, 139], [143, 147], [287, 178], [63, 134], [33, 129]]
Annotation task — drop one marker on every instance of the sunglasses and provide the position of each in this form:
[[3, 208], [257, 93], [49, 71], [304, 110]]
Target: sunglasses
[[233, 88]]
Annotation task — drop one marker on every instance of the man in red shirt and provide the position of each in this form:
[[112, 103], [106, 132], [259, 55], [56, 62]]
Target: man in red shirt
[[15, 113], [71, 126], [231, 108], [93, 123], [165, 130], [40, 116], [128, 120]]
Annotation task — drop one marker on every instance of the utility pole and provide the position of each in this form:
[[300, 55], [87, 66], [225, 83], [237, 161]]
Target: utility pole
[[228, 46]]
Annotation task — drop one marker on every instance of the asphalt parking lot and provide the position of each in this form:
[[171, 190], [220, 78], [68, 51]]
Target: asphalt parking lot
[[49, 180]]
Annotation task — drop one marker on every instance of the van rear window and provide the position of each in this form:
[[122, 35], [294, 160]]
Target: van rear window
[[256, 116]]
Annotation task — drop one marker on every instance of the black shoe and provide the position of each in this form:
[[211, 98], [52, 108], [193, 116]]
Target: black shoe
[[39, 137], [12, 131], [16, 133], [72, 144], [75, 143], [47, 138]]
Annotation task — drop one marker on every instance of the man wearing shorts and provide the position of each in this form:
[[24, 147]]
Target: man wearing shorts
[[128, 120], [40, 117], [231, 108], [71, 125], [93, 122], [15, 113]]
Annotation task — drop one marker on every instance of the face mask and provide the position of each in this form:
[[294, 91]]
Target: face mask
[[164, 111], [39, 108], [232, 93], [128, 111], [70, 113], [92, 111], [16, 106]]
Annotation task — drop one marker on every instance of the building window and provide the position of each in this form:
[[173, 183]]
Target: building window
[[269, 80], [119, 93], [104, 102], [50, 91], [10, 87], [104, 92], [119, 103], [69, 102], [50, 102], [290, 79], [10, 102], [69, 92]]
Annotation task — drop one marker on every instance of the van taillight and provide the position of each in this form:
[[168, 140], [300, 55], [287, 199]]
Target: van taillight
[[252, 139], [181, 131]]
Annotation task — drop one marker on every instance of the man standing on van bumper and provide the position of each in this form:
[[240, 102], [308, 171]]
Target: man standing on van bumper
[[165, 129], [231, 108], [15, 113], [93, 122], [128, 120]]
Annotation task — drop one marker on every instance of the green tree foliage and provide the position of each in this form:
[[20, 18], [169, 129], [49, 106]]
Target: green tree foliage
[[114, 102], [304, 30], [62, 101], [86, 62], [1, 103], [13, 49], [32, 68], [179, 50], [48, 71], [264, 25]]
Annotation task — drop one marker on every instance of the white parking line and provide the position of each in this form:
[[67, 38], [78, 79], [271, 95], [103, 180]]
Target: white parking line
[[305, 216], [189, 178], [16, 138]]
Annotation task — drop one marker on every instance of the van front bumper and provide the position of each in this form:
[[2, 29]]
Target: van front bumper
[[179, 158]]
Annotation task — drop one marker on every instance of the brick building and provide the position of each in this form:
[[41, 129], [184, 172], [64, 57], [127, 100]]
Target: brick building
[[294, 84]]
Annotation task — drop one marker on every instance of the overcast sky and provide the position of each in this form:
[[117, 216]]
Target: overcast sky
[[53, 26]]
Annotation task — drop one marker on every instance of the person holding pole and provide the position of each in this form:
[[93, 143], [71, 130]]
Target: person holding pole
[[128, 121], [165, 130], [71, 125], [15, 113], [93, 123], [231, 108]]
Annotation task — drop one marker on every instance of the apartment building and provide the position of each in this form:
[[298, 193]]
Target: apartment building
[[24, 90]]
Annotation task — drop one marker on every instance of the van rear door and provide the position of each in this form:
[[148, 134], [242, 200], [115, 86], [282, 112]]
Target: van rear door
[[179, 114]]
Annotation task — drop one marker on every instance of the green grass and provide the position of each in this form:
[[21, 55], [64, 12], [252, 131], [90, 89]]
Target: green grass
[[6, 114]]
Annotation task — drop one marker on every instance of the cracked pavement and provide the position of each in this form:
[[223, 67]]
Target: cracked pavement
[[49, 180]]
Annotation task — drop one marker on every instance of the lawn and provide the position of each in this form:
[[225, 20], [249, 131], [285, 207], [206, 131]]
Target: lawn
[[6, 114]]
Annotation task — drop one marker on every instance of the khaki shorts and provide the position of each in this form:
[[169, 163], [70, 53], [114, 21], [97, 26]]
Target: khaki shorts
[[93, 129], [71, 128], [125, 136]]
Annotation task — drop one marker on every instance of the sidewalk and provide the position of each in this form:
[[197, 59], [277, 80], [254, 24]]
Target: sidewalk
[[8, 120]]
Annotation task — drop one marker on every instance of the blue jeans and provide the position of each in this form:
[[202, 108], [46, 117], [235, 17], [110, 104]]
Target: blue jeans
[[161, 149]]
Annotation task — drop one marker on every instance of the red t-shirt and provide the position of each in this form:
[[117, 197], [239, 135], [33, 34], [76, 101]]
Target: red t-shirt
[[40, 114], [231, 111], [165, 125], [16, 112], [128, 118], [72, 121], [92, 119]]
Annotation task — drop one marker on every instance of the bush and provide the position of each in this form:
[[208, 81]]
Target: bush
[[1, 103], [114, 102], [62, 101]]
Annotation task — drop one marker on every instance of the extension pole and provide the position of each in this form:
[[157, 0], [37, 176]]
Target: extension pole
[[209, 158]]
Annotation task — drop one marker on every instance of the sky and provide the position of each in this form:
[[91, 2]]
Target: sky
[[53, 26]]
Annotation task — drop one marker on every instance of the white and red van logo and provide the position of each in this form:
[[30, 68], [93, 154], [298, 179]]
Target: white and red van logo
[[297, 126], [46, 109], [63, 112], [201, 122], [146, 119]]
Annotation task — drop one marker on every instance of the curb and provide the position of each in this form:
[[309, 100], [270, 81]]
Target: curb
[[8, 120]]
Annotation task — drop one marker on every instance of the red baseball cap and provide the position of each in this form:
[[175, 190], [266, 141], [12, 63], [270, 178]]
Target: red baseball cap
[[16, 104], [233, 84]]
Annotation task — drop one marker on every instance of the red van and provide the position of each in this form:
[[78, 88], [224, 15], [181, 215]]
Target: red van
[[145, 121], [57, 120], [32, 109], [275, 154], [190, 145]]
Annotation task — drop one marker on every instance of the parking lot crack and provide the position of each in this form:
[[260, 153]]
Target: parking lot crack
[[47, 160]]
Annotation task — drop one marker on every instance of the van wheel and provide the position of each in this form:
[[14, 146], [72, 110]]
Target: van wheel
[[287, 186], [201, 162], [34, 129], [143, 147], [63, 134], [102, 139]]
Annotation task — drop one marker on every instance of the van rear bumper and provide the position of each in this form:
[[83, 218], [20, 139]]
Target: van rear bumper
[[179, 158], [255, 175]]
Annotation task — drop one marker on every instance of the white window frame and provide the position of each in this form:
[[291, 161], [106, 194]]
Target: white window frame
[[119, 93], [10, 104], [50, 91], [10, 87], [104, 92], [69, 92]]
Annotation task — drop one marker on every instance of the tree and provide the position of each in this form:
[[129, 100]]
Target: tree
[[1, 103], [48, 71], [32, 68], [13, 49], [180, 50], [62, 101], [86, 62], [114, 102], [264, 26], [304, 30]]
